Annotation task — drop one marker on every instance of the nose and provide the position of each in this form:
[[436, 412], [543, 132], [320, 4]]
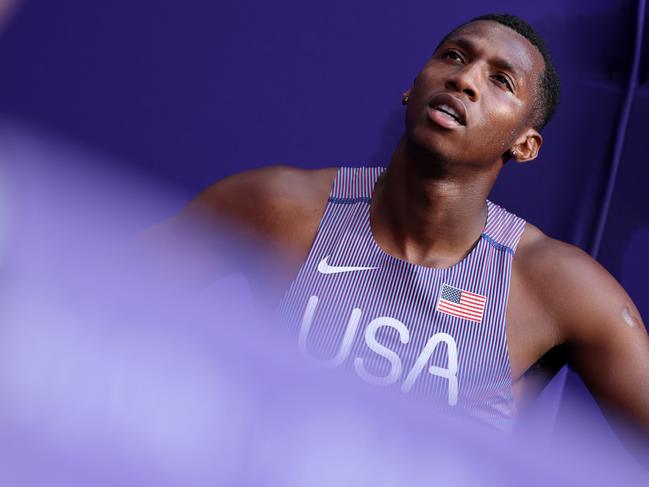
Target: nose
[[465, 80]]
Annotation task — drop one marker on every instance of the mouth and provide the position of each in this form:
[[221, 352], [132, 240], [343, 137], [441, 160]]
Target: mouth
[[448, 110]]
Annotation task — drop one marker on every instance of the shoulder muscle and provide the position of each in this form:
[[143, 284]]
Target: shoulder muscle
[[599, 323], [263, 201]]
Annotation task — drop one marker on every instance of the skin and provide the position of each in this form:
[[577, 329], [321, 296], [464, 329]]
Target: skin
[[429, 208]]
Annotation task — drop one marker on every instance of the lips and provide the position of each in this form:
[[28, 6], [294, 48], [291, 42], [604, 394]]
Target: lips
[[450, 106]]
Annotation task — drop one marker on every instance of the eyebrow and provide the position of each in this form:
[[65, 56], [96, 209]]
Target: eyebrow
[[497, 62]]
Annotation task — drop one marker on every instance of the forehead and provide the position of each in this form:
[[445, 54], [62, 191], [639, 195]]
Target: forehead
[[496, 41]]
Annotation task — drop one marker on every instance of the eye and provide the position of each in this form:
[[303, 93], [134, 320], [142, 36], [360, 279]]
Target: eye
[[502, 79], [454, 55]]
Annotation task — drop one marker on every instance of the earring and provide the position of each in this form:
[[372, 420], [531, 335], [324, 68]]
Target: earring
[[404, 100], [513, 152]]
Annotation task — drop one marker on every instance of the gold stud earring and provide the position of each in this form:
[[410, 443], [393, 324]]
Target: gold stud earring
[[404, 100]]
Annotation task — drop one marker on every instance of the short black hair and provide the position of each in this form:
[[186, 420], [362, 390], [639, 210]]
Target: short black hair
[[549, 88]]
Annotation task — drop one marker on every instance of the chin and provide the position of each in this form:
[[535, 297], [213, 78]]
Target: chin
[[430, 146]]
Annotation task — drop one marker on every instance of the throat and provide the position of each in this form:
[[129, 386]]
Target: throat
[[433, 225]]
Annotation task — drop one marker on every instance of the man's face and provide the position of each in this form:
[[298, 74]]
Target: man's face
[[474, 97]]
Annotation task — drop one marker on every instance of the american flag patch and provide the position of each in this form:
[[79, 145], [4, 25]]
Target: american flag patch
[[460, 303]]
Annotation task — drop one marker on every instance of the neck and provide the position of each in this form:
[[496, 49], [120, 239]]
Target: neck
[[430, 212]]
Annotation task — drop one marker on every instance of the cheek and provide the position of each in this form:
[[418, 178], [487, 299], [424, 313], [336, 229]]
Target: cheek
[[503, 114], [431, 78]]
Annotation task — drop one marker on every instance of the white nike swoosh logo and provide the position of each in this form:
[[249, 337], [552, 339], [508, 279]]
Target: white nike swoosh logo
[[325, 268]]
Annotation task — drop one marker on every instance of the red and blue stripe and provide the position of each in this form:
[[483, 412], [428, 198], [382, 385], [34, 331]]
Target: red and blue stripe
[[406, 293]]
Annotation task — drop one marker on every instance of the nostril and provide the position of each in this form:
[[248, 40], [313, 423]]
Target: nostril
[[469, 92]]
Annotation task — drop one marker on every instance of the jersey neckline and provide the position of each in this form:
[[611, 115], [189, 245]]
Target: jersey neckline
[[435, 270]]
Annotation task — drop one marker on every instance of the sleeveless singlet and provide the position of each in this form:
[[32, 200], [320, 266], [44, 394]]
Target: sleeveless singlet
[[434, 333]]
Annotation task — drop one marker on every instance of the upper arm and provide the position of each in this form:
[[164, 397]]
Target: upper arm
[[248, 200], [228, 220], [604, 332]]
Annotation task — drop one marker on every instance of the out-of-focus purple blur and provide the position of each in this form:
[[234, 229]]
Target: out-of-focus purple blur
[[114, 114], [110, 377]]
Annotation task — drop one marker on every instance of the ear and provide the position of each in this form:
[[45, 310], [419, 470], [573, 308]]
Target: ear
[[405, 96], [527, 146]]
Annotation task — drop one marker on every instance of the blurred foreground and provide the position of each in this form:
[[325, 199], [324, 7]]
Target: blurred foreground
[[110, 376]]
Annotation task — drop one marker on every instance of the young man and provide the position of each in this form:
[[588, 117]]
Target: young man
[[411, 277]]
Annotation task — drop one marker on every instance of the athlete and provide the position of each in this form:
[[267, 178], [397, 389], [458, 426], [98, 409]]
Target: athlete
[[410, 276]]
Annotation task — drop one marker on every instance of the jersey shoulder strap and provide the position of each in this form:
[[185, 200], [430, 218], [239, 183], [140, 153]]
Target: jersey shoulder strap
[[354, 183], [503, 229]]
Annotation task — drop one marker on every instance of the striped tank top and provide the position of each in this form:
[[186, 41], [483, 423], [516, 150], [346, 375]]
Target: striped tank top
[[434, 333]]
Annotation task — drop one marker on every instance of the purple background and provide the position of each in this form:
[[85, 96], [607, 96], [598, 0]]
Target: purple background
[[190, 92]]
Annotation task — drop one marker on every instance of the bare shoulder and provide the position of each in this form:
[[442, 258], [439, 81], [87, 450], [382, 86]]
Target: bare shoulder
[[580, 294], [268, 201], [279, 207], [265, 189], [594, 317]]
